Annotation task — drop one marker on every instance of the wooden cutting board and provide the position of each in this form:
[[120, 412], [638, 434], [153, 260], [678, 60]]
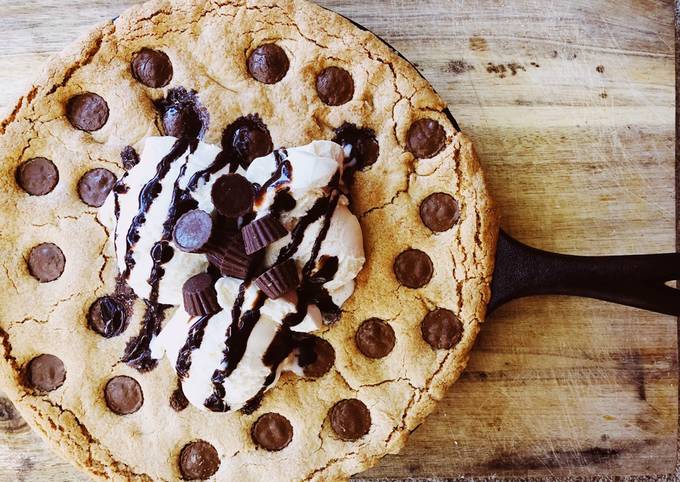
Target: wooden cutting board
[[571, 104]]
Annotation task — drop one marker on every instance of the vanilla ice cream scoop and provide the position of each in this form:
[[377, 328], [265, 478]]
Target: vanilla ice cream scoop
[[228, 359]]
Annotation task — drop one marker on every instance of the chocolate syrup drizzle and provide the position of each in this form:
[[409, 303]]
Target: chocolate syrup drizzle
[[137, 351], [236, 340], [311, 289], [147, 195], [193, 342]]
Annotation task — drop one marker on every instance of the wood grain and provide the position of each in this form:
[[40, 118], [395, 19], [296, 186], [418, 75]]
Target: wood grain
[[571, 104]]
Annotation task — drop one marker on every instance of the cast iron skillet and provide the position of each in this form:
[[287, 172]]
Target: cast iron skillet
[[638, 280]]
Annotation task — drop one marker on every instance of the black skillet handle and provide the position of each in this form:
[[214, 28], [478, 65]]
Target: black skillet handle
[[637, 281]]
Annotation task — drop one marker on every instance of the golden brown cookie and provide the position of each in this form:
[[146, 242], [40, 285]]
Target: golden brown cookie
[[292, 73]]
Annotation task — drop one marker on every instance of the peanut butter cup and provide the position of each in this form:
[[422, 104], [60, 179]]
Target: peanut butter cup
[[279, 280], [350, 419], [193, 231], [268, 63], [46, 262], [87, 112], [37, 176], [413, 268], [426, 138], [441, 329], [152, 68], [262, 232], [95, 186], [198, 461], [45, 373], [272, 432], [200, 297], [123, 395]]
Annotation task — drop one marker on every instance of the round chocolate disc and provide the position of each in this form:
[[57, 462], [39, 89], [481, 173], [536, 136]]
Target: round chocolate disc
[[233, 195], [335, 86], [182, 114], [129, 157], [439, 212], [87, 112], [375, 338], [45, 373], [178, 401], [95, 186], [251, 142], [441, 329], [37, 176], [317, 356], [268, 63], [107, 316], [152, 68], [413, 268], [272, 432], [426, 138], [123, 395], [198, 460], [46, 262], [193, 231], [350, 419], [364, 146], [182, 121]]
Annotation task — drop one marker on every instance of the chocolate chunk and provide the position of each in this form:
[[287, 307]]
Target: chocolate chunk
[[350, 419], [375, 338], [37, 176], [268, 63], [46, 262], [182, 114], [200, 297], [364, 146], [262, 232], [426, 138], [233, 195], [192, 231], [316, 356], [231, 259], [123, 395], [178, 401], [198, 460], [247, 138], [45, 373], [335, 86], [129, 157], [439, 212], [441, 329], [413, 268], [179, 121], [152, 68], [279, 280], [87, 112], [95, 186], [272, 432], [107, 316]]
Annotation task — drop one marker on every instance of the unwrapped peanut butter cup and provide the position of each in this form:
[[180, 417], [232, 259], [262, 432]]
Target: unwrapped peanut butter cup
[[200, 297], [279, 279], [231, 258], [262, 232], [193, 231], [233, 195]]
